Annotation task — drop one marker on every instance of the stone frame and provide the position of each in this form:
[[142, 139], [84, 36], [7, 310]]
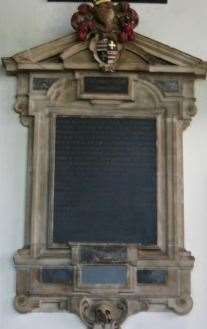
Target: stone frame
[[162, 87]]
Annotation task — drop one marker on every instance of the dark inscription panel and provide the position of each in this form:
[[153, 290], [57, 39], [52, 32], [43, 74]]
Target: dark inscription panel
[[105, 181], [110, 85], [43, 83], [57, 276], [152, 276], [170, 86], [103, 254]]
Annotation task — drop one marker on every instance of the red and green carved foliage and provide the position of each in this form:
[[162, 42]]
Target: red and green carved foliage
[[106, 17], [128, 19], [83, 21]]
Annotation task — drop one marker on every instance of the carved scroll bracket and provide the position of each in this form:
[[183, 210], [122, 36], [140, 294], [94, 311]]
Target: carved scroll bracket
[[106, 313], [181, 305], [25, 304], [21, 105], [189, 112]]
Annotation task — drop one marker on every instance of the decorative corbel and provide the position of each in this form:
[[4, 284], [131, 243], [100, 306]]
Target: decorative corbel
[[181, 305], [105, 313], [22, 98], [25, 304], [100, 313], [189, 112]]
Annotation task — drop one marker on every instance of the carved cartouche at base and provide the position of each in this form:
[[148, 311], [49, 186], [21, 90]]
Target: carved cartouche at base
[[100, 313]]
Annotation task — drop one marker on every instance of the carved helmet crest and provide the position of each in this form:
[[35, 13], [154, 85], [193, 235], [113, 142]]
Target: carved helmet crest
[[110, 24]]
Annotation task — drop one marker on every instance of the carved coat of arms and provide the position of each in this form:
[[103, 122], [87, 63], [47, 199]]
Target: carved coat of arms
[[108, 26]]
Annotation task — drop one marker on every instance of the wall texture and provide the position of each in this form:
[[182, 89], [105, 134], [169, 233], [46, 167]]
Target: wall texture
[[26, 23]]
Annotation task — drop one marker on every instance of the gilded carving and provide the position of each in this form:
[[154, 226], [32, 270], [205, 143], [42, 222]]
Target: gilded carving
[[107, 26]]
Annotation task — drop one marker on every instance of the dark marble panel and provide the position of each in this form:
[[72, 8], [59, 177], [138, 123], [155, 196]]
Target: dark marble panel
[[43, 83], [104, 275], [169, 86], [64, 276], [109, 85], [152, 276], [105, 181], [103, 254]]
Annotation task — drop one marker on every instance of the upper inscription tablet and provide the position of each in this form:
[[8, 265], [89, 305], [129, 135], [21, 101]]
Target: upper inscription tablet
[[111, 85], [105, 181]]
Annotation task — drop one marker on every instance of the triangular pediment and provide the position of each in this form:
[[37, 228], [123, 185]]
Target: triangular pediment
[[143, 54]]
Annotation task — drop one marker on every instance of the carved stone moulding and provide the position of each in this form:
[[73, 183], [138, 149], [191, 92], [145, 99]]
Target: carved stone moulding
[[152, 82]]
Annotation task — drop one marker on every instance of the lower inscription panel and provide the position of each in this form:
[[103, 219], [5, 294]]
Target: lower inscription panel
[[103, 254], [57, 276], [105, 181], [104, 275], [152, 276]]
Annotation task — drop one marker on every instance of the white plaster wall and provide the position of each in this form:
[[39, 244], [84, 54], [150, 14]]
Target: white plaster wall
[[26, 23]]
